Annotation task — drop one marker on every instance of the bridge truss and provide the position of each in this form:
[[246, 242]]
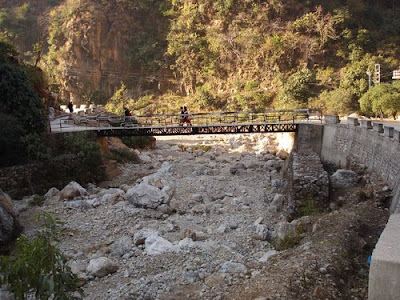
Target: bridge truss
[[189, 130], [200, 123]]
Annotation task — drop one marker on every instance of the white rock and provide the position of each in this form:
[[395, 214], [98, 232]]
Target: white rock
[[155, 244], [146, 196], [101, 267]]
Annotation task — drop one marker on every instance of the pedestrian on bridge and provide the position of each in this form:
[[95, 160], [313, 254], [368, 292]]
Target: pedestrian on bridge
[[71, 107], [127, 112], [182, 115], [186, 116]]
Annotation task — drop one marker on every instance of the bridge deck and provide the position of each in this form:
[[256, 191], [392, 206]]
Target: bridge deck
[[201, 123]]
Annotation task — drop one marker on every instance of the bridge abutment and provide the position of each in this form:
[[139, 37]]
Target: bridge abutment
[[378, 148]]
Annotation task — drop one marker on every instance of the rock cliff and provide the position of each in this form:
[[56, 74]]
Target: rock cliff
[[91, 46]]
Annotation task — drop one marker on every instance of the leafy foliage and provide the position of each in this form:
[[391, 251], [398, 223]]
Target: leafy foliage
[[22, 110], [138, 142], [382, 100], [119, 100], [11, 147], [38, 267], [80, 143], [18, 98]]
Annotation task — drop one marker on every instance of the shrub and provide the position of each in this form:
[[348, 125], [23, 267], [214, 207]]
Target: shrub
[[308, 208], [11, 146], [87, 150], [123, 155], [39, 267], [37, 200], [138, 142], [290, 240]]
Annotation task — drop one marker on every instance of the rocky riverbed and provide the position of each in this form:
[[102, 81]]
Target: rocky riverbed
[[203, 221]]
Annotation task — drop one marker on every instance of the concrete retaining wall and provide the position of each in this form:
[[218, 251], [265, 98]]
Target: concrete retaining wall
[[343, 144]]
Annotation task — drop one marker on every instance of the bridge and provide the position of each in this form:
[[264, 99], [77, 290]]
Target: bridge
[[200, 123]]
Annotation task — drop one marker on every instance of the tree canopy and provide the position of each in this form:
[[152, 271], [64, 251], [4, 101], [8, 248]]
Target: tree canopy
[[382, 100]]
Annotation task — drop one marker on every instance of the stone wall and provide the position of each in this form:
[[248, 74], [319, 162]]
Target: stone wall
[[346, 143], [308, 181]]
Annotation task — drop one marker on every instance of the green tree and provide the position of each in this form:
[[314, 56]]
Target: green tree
[[382, 100], [339, 102], [119, 100], [297, 89]]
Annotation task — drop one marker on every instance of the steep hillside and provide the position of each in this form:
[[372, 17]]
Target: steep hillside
[[223, 54]]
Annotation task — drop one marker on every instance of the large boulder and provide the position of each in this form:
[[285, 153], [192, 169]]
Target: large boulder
[[72, 190], [147, 196], [9, 225]]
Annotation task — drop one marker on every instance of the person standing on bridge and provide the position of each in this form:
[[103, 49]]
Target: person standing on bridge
[[186, 116], [182, 115], [71, 107], [127, 112]]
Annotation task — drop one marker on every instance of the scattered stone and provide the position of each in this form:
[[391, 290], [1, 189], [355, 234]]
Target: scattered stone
[[155, 244], [237, 168], [343, 179], [72, 190], [146, 196], [268, 255], [232, 267], [187, 233], [140, 236], [121, 246], [101, 267]]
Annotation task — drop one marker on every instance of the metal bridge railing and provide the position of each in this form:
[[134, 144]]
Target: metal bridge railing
[[196, 119]]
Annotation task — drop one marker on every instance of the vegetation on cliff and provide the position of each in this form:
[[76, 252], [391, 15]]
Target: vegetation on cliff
[[218, 55], [22, 116]]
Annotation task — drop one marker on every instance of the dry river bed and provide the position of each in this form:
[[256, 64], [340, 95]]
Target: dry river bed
[[208, 235]]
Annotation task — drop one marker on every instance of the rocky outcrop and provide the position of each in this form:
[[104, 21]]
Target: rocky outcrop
[[98, 42]]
